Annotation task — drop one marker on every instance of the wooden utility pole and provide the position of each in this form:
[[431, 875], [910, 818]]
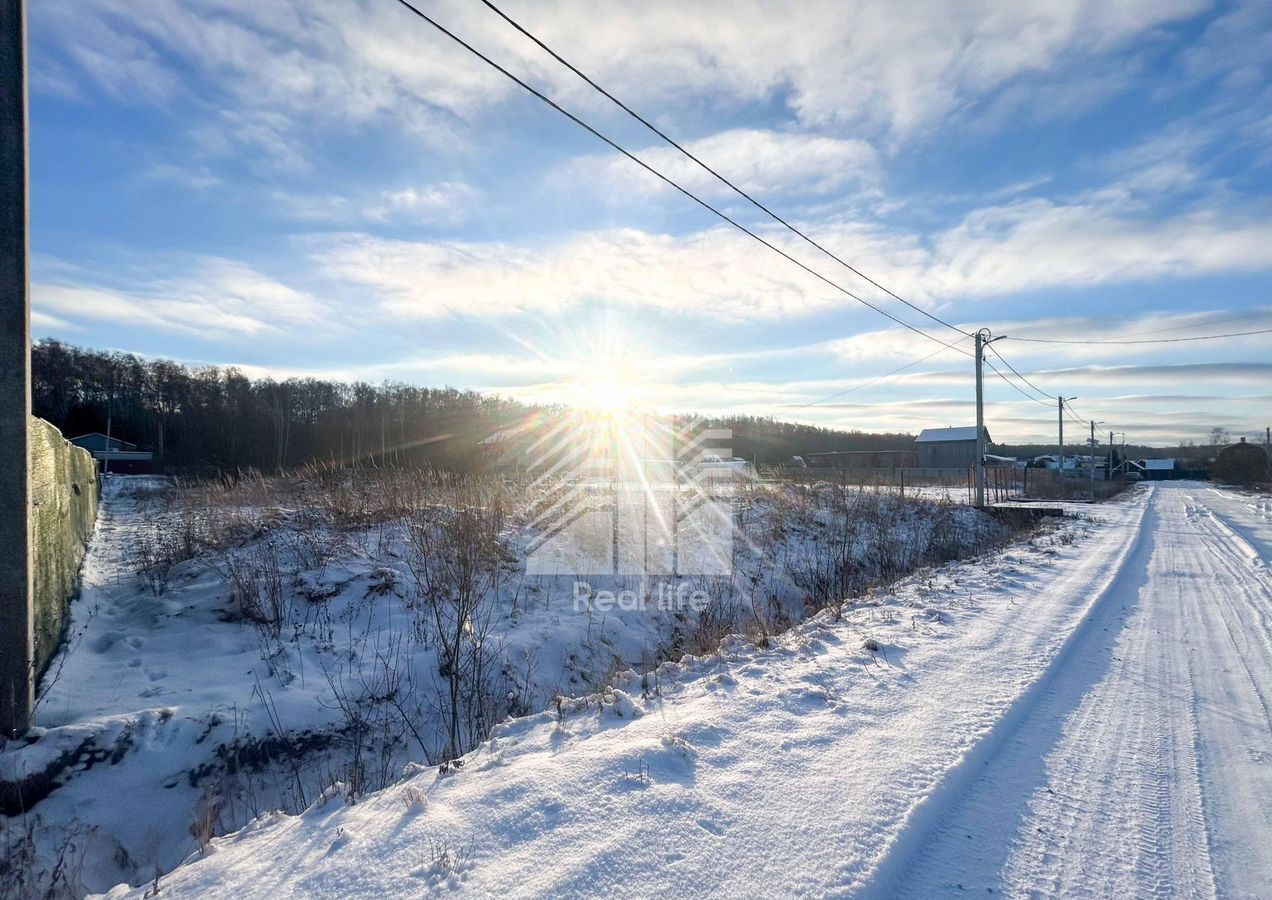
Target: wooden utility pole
[[17, 634]]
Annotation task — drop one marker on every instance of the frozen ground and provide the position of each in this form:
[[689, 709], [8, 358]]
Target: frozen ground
[[278, 643], [1083, 718]]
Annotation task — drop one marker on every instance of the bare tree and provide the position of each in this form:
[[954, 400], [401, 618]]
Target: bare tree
[[455, 559]]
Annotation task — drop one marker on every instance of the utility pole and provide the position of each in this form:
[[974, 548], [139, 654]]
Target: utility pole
[[1060, 459], [982, 340], [1093, 444], [17, 634]]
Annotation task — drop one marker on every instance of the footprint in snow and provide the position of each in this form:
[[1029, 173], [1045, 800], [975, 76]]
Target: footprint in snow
[[713, 827], [103, 643]]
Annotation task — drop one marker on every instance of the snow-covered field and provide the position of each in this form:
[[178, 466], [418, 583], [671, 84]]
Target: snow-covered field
[[240, 651], [1071, 717]]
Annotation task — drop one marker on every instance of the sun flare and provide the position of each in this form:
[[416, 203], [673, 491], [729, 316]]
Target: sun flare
[[606, 396]]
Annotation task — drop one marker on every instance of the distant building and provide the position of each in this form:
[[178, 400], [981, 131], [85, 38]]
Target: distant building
[[948, 448], [1242, 463], [115, 454], [1157, 469]]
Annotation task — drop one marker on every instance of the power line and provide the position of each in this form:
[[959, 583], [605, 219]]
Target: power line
[[1074, 415], [756, 203], [1237, 318], [876, 380], [704, 204], [1207, 337], [740, 227], [994, 350], [1013, 384]]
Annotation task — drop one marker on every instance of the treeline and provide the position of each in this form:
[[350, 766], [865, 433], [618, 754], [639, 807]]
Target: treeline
[[210, 419], [768, 441], [215, 419]]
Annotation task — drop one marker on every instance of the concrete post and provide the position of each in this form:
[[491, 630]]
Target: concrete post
[[980, 419], [17, 634], [1060, 458]]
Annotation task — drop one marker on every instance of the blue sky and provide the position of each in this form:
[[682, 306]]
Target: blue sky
[[328, 188]]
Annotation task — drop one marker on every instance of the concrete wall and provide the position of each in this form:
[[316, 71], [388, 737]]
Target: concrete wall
[[64, 494]]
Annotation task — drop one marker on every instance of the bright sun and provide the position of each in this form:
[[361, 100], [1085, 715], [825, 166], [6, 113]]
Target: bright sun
[[608, 395]]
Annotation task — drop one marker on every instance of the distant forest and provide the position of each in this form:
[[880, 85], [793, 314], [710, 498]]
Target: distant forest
[[211, 419]]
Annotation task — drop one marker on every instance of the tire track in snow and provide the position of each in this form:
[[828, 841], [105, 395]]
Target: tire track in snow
[[1142, 764], [1232, 660], [937, 844]]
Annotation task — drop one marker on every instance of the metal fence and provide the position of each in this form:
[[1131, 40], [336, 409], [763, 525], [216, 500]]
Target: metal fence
[[953, 484], [1002, 483]]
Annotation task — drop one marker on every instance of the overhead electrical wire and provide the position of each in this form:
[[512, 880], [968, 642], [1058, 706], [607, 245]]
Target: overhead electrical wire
[[725, 181], [864, 384], [1237, 318], [1013, 384], [952, 345], [644, 165], [1073, 414], [1018, 375], [1206, 337]]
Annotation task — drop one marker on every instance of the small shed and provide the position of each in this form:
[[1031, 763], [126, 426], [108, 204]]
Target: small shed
[[948, 448]]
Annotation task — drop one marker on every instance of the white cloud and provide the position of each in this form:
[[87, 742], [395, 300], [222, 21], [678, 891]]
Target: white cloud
[[712, 273], [217, 296], [766, 162], [440, 204], [1020, 246], [1033, 244], [447, 201], [1148, 376], [42, 321], [881, 68]]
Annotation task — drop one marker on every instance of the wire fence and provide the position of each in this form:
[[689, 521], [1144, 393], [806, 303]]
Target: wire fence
[[958, 485]]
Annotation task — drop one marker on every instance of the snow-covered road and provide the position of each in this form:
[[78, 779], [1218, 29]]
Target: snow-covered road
[[1075, 718], [1141, 764]]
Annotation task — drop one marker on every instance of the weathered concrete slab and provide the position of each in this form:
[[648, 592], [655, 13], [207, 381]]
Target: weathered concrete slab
[[64, 493]]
